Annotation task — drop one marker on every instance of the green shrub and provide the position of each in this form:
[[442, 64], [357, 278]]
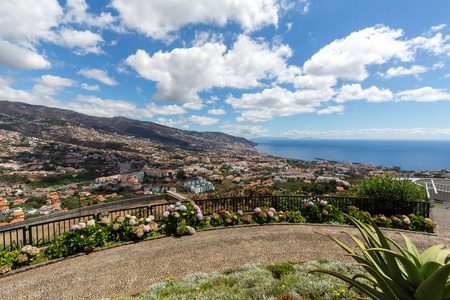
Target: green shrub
[[396, 273], [295, 217], [281, 269], [189, 213], [392, 194]]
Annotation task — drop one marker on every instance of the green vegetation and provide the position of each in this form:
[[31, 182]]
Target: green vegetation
[[313, 188], [394, 194], [285, 280], [396, 273]]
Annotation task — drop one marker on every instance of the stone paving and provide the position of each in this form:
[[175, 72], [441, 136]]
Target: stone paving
[[440, 213], [132, 268]]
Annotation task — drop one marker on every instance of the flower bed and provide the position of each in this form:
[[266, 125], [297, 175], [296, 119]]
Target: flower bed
[[185, 219]]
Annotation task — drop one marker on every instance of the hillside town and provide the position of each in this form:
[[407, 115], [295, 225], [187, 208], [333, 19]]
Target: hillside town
[[40, 177]]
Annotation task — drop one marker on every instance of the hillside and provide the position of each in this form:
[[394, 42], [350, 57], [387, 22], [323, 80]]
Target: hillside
[[42, 121]]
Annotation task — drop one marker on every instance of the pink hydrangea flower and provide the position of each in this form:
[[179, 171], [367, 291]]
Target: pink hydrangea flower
[[74, 227], [199, 216], [91, 223], [146, 228], [257, 210], [272, 210], [132, 222]]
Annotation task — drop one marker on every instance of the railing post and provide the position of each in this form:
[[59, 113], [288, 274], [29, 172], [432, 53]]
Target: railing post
[[24, 232], [30, 234]]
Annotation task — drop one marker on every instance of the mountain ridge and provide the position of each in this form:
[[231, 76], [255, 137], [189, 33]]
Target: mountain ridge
[[37, 120]]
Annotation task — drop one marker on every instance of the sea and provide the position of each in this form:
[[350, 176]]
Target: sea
[[408, 154]]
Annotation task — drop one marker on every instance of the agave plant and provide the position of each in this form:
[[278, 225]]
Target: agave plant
[[396, 275]]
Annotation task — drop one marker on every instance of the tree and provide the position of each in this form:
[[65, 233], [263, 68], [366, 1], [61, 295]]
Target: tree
[[392, 194]]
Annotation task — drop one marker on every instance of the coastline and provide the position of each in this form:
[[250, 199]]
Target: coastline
[[407, 154]]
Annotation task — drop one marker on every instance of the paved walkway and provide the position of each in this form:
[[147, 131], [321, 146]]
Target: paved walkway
[[440, 214], [133, 268]]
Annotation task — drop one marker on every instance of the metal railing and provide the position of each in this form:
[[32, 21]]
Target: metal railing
[[40, 234]]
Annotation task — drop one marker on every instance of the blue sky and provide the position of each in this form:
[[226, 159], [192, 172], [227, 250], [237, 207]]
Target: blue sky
[[254, 68]]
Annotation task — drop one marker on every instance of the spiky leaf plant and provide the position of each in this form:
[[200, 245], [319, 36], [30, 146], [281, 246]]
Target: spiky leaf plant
[[402, 275]]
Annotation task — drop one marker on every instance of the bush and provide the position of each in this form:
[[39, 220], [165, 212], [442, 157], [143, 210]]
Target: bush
[[392, 194], [180, 216]]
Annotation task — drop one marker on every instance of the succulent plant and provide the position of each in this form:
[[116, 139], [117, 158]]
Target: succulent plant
[[401, 275]]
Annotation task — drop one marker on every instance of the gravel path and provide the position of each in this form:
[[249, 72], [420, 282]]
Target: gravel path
[[440, 214], [132, 268]]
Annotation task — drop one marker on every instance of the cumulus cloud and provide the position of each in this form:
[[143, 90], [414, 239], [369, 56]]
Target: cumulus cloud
[[348, 58], [158, 19], [425, 94], [42, 93], [437, 44], [23, 24], [184, 72], [217, 112], [26, 22], [244, 130], [52, 85], [331, 109], [277, 101], [196, 104], [202, 120], [152, 109], [83, 42], [90, 87], [402, 71], [21, 58], [351, 92], [76, 12], [95, 106], [172, 123], [97, 74]]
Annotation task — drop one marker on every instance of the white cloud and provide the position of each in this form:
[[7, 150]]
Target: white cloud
[[83, 41], [202, 120], [402, 71], [90, 87], [172, 123], [331, 109], [348, 58], [244, 130], [436, 45], [438, 65], [166, 110], [373, 133], [277, 101], [196, 104], [53, 84], [99, 75], [184, 72], [26, 22], [217, 112], [351, 92], [425, 94], [76, 12], [158, 19], [42, 93], [23, 24], [21, 58], [438, 27], [95, 106]]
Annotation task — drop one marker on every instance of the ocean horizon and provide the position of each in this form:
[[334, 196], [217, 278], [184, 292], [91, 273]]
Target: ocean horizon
[[424, 155]]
